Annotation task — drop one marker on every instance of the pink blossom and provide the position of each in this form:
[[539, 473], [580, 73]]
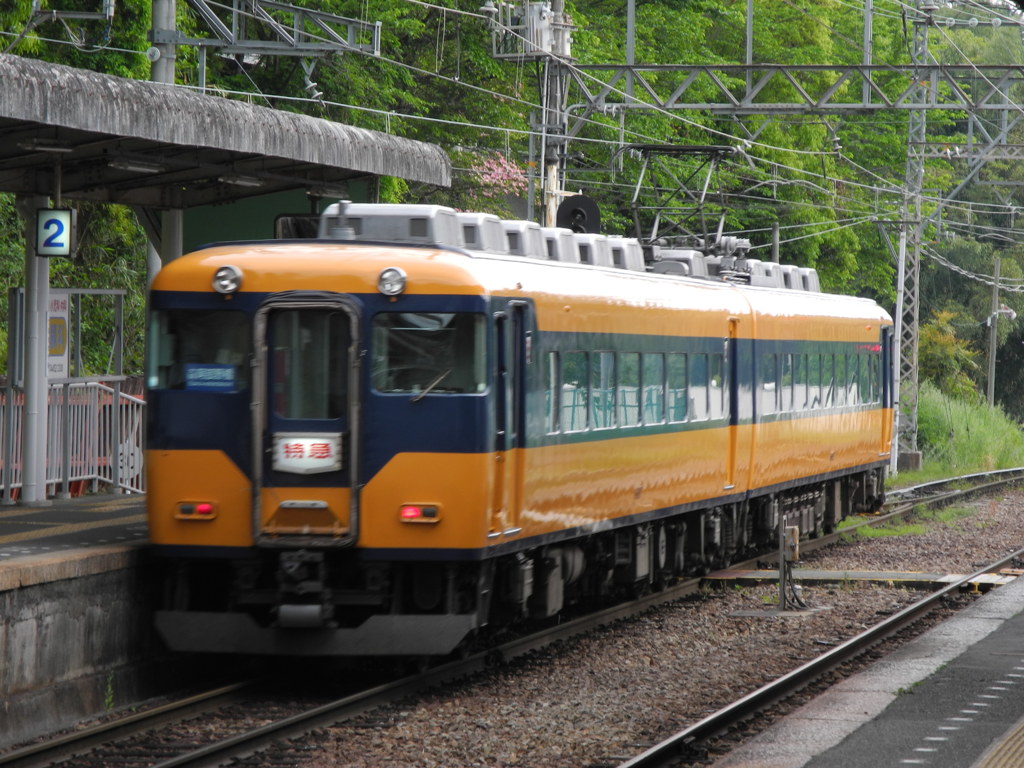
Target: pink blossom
[[499, 176]]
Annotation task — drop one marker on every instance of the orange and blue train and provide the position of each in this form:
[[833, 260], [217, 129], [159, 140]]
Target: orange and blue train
[[421, 425]]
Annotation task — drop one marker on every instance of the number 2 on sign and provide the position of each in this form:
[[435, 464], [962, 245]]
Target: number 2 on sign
[[54, 240]]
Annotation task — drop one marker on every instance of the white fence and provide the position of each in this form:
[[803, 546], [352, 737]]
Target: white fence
[[81, 452]]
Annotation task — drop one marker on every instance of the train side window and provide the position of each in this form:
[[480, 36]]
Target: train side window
[[653, 383], [552, 393], [199, 350], [629, 389], [814, 382], [698, 381], [874, 365], [828, 381], [841, 380], [799, 382], [678, 396], [575, 391], [853, 379], [768, 386], [849, 374], [439, 351], [717, 387], [866, 395], [602, 390], [786, 388]]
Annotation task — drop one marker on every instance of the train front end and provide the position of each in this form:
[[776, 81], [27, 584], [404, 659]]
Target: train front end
[[302, 499]]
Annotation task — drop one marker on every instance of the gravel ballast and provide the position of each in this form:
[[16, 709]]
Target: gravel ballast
[[600, 699]]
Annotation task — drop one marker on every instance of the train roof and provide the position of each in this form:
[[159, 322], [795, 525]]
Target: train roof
[[414, 224], [566, 297]]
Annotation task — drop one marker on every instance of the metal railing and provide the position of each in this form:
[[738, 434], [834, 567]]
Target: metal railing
[[82, 453]]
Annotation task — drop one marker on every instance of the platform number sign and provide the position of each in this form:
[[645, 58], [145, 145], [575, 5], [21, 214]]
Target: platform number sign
[[55, 232]]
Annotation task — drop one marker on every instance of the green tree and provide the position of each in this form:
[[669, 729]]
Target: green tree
[[947, 360]]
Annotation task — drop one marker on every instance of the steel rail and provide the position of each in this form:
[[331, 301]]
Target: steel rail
[[65, 747], [905, 502], [46, 754], [247, 744], [1005, 475], [721, 721]]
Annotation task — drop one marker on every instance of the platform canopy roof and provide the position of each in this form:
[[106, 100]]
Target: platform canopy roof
[[160, 146]]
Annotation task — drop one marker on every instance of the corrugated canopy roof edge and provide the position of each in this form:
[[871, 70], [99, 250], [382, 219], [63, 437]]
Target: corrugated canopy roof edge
[[143, 143]]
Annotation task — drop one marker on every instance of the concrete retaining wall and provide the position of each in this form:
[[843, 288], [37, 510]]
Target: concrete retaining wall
[[76, 640]]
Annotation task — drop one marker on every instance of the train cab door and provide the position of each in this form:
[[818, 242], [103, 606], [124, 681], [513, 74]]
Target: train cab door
[[511, 345], [305, 415]]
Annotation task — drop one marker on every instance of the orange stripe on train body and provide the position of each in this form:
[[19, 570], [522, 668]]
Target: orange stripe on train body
[[586, 483]]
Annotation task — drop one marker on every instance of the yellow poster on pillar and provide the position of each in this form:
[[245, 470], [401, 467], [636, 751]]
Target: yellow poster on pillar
[[57, 338]]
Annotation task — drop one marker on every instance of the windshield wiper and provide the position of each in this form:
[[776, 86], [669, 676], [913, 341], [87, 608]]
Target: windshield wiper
[[420, 395]]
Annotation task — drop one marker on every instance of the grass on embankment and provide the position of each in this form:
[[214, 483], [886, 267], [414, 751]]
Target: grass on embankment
[[958, 438], [924, 520]]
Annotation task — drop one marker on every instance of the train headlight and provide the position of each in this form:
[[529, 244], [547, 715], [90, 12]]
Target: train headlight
[[391, 281], [227, 279]]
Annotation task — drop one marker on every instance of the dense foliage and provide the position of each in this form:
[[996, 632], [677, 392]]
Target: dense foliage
[[832, 183]]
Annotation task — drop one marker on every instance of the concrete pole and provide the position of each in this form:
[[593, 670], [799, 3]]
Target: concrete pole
[[993, 326], [555, 120], [164, 24], [868, 47], [153, 263], [749, 44], [162, 71], [630, 46], [37, 296]]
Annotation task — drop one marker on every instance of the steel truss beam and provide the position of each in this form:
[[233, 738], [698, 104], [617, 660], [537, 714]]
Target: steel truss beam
[[791, 89], [292, 31]]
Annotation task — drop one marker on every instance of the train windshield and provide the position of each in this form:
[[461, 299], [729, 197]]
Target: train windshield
[[429, 352], [199, 350], [309, 366]]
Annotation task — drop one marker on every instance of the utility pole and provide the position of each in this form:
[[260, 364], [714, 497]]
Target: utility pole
[[162, 55], [540, 32]]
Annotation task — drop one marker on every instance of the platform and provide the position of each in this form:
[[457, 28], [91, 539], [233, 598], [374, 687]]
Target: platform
[[64, 524], [952, 698]]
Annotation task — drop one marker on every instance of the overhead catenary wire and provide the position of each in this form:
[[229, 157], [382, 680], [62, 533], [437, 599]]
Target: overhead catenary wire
[[885, 186], [513, 99]]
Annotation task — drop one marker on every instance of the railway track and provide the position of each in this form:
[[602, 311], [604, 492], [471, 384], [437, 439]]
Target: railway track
[[149, 743], [903, 502], [90, 746], [669, 751]]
